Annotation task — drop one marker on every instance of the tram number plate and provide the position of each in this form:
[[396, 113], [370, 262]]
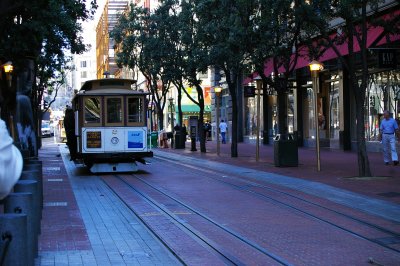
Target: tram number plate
[[93, 139]]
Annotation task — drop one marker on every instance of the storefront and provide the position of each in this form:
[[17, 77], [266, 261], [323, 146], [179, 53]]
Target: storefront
[[337, 110], [383, 93], [268, 100]]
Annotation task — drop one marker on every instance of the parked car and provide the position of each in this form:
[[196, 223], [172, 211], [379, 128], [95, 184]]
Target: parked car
[[47, 129]]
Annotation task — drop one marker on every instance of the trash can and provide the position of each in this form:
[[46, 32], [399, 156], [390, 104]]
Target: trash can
[[178, 141], [285, 150], [152, 138]]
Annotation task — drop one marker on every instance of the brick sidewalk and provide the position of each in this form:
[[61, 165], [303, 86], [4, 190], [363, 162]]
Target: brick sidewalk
[[338, 168], [84, 223]]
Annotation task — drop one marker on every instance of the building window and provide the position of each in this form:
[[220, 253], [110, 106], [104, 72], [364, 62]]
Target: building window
[[83, 74], [83, 64], [334, 108], [383, 93]]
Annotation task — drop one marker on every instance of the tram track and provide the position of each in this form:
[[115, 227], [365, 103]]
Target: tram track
[[226, 255], [251, 187]]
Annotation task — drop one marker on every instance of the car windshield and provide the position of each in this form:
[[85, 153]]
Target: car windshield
[[45, 125]]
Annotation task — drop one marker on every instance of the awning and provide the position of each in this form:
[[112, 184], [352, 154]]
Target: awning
[[190, 108]]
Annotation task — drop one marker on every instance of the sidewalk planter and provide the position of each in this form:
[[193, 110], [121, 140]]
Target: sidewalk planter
[[285, 150]]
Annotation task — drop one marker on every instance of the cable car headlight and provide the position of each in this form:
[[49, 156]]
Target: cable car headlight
[[114, 140]]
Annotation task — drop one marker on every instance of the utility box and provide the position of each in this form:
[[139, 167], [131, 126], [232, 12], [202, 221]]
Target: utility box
[[152, 139], [285, 150]]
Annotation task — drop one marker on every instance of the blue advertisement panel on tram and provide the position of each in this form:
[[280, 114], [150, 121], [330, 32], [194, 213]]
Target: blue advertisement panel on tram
[[135, 139]]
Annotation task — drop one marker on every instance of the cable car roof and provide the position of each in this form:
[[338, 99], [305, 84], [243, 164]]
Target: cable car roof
[[109, 83]]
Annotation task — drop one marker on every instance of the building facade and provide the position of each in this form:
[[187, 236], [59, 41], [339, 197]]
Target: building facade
[[105, 56], [335, 101]]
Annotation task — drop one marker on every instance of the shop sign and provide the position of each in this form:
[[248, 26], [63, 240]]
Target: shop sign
[[387, 58], [93, 139], [249, 91]]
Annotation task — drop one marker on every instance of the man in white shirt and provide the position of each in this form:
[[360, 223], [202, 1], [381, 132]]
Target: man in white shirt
[[222, 129], [10, 162]]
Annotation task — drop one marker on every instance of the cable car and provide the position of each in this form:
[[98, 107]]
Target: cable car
[[110, 126]]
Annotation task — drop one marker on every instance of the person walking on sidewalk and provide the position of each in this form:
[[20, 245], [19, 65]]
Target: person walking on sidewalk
[[222, 128], [388, 129]]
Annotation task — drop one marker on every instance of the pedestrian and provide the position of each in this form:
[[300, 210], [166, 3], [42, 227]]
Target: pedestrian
[[207, 130], [10, 162], [222, 128], [388, 129], [69, 125]]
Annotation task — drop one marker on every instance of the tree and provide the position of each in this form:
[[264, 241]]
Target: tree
[[139, 45], [35, 36], [225, 29], [194, 59], [282, 30], [359, 18]]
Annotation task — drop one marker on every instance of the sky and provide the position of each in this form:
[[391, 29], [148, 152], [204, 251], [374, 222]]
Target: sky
[[89, 27]]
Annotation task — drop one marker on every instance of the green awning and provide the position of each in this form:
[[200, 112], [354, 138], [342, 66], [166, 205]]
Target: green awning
[[186, 108]]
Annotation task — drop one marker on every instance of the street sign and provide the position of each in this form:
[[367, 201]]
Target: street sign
[[249, 91]]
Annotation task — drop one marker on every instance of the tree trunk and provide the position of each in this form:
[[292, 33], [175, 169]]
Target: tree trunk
[[200, 124], [231, 79], [281, 87], [359, 93], [363, 161], [201, 118], [160, 117]]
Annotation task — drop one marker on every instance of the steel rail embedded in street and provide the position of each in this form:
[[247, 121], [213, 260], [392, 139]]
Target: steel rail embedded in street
[[260, 195]]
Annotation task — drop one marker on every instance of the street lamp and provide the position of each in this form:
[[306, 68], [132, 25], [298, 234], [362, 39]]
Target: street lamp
[[217, 91], [258, 80], [8, 68], [315, 67], [171, 106], [150, 116]]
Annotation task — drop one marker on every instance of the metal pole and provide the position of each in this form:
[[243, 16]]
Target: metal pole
[[315, 88], [217, 114], [172, 125], [258, 122]]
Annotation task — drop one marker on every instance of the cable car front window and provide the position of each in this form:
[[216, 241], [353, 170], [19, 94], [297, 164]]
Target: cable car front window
[[92, 110], [135, 110], [114, 110]]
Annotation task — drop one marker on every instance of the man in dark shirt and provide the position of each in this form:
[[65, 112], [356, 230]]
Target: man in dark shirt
[[69, 124]]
